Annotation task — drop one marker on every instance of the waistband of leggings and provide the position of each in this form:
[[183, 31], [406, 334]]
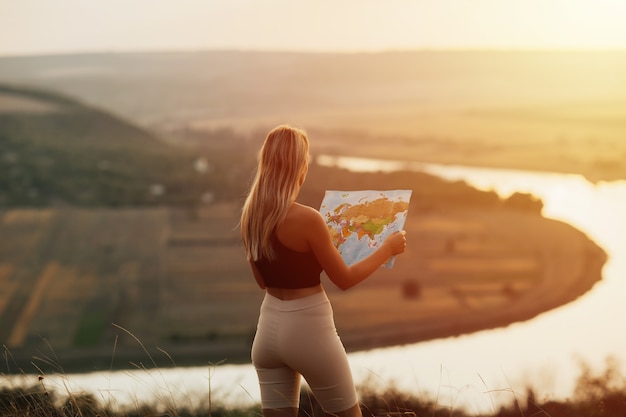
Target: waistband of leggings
[[269, 301]]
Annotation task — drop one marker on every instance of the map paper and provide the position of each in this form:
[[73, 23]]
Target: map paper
[[359, 221]]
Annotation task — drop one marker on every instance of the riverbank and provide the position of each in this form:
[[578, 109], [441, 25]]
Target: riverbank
[[475, 271], [474, 262]]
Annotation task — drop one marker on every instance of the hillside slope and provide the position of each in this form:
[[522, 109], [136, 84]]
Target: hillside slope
[[57, 150]]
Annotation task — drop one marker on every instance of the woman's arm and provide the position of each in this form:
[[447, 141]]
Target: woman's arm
[[330, 259]]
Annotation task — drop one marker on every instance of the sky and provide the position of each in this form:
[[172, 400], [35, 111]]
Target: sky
[[32, 27]]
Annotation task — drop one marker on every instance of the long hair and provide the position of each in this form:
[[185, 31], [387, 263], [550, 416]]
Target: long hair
[[282, 163]]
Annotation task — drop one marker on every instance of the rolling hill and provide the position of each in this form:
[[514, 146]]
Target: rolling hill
[[56, 150]]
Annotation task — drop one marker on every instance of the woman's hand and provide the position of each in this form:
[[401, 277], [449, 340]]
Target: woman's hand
[[396, 242], [314, 226]]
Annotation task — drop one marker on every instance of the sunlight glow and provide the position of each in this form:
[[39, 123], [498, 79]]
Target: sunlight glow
[[324, 25]]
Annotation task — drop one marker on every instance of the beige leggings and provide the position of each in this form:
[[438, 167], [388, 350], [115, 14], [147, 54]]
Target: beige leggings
[[298, 338]]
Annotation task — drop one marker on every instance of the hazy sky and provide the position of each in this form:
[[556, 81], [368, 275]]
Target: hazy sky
[[56, 26]]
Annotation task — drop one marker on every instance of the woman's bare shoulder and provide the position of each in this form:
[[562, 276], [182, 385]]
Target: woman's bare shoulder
[[302, 223], [306, 213]]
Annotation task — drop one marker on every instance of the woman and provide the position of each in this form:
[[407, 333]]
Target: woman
[[288, 246]]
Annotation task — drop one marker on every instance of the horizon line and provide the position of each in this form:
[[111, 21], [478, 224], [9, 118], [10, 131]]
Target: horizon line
[[147, 51]]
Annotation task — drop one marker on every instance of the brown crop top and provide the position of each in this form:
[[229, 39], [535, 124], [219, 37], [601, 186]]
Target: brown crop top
[[290, 269]]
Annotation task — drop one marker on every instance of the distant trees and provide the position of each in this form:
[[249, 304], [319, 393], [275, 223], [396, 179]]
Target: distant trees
[[523, 202]]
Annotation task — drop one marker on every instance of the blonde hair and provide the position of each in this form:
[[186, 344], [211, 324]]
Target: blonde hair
[[282, 164]]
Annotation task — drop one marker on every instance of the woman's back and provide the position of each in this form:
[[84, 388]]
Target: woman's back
[[292, 232]]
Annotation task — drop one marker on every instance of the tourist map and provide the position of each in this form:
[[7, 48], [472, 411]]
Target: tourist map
[[359, 221]]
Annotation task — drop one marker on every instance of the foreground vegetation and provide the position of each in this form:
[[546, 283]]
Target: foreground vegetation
[[601, 394]]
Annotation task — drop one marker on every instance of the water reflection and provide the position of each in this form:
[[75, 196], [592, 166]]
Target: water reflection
[[474, 371], [543, 352]]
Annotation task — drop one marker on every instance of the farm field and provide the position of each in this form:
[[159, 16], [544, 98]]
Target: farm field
[[87, 281], [92, 288]]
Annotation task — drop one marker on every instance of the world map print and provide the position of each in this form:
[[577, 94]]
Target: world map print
[[359, 221]]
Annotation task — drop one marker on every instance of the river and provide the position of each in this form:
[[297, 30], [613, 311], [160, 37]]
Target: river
[[476, 372]]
